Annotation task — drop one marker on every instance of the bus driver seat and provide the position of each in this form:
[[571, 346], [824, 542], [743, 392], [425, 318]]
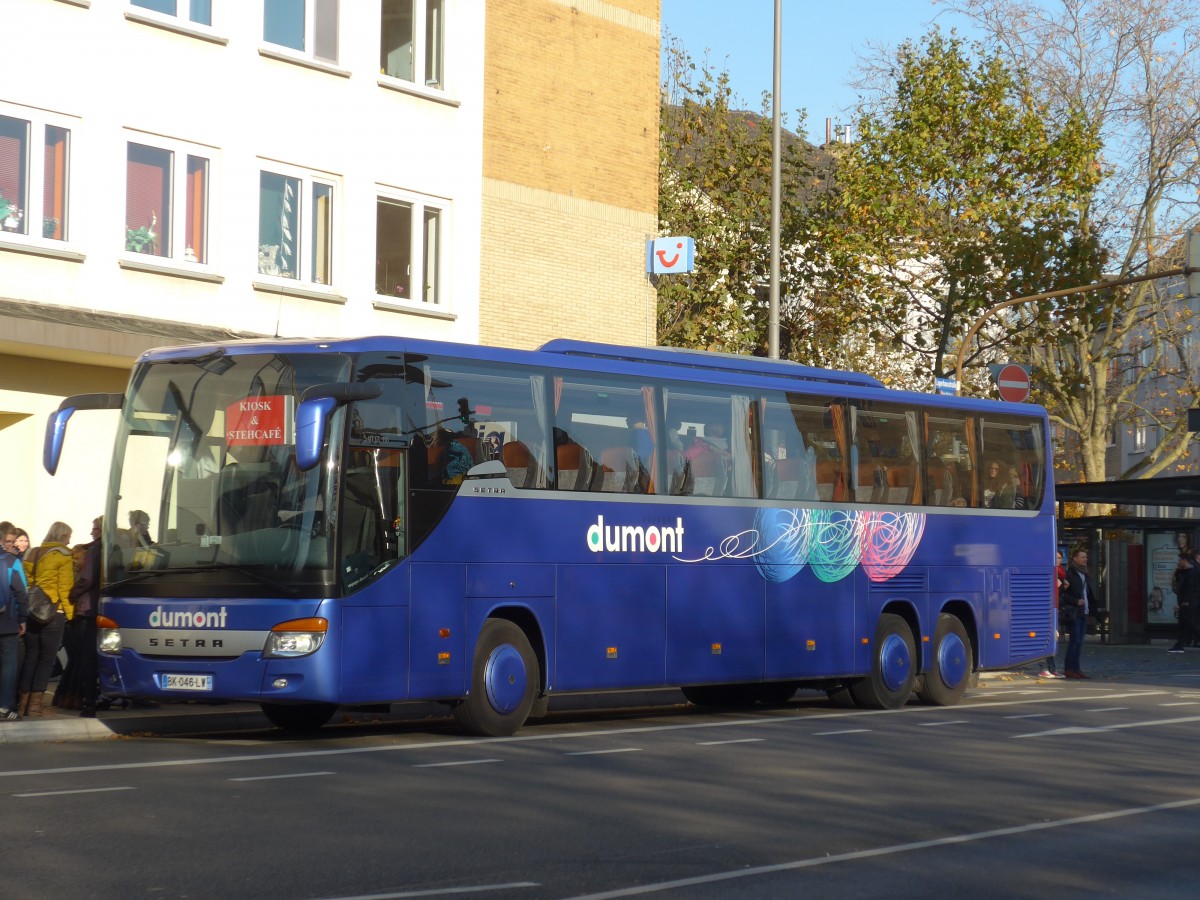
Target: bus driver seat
[[248, 497]]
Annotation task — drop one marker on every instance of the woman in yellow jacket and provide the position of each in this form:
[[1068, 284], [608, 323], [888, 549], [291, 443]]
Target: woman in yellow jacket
[[51, 568]]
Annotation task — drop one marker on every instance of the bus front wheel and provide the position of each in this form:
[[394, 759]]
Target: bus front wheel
[[299, 716], [946, 682], [892, 671], [504, 681]]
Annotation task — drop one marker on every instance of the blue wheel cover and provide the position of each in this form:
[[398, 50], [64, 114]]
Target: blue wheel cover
[[505, 678], [894, 662], [952, 660]]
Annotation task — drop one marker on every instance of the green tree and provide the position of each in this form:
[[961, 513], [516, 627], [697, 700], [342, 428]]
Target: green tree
[[715, 186], [1131, 70], [960, 192]]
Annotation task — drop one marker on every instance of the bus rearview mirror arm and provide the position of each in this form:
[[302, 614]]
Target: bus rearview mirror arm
[[56, 425], [312, 416]]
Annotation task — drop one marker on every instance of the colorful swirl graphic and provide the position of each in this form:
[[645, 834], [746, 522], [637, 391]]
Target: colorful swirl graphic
[[787, 538], [833, 542], [889, 540]]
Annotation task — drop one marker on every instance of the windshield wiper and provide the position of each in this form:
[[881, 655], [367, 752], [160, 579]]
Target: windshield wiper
[[279, 586]]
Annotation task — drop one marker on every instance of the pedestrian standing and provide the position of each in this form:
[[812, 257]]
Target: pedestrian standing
[[1187, 592], [14, 607], [51, 568], [1060, 582], [1079, 599], [79, 684]]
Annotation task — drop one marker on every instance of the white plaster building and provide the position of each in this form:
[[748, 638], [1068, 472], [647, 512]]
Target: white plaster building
[[181, 170]]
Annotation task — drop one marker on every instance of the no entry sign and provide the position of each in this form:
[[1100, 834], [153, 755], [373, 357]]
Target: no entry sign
[[1013, 382]]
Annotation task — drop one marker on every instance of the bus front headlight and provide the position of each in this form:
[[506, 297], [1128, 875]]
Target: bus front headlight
[[298, 637], [108, 636]]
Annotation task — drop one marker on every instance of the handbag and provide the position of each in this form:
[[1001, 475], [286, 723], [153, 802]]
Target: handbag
[[42, 609]]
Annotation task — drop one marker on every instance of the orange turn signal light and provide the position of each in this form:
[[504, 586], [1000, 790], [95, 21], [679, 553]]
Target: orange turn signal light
[[313, 624]]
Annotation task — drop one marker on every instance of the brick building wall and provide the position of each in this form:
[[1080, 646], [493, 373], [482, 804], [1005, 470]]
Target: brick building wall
[[570, 168]]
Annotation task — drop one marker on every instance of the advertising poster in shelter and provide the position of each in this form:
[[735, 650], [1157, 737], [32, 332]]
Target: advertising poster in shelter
[[1162, 556]]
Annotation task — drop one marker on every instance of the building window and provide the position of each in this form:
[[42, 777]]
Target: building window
[[1139, 439], [22, 168], [408, 249], [411, 41], [307, 26], [166, 204], [291, 207], [196, 11]]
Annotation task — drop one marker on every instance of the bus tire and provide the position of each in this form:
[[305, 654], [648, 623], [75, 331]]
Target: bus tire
[[946, 681], [892, 667], [840, 696], [505, 679], [299, 716], [775, 693]]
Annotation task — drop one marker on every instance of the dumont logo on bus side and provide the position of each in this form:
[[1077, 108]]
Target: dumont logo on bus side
[[635, 538]]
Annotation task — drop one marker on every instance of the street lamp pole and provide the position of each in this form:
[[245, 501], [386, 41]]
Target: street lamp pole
[[776, 144]]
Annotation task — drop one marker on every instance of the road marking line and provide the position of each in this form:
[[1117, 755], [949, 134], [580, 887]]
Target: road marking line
[[1030, 716], [949, 841], [1108, 709], [444, 892], [601, 752], [277, 777], [461, 762], [80, 791], [1082, 729], [735, 741], [1181, 703], [976, 703], [844, 731], [948, 722]]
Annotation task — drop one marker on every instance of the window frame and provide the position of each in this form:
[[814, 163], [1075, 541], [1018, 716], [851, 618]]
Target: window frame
[[304, 235], [183, 17], [308, 53], [419, 206], [181, 153], [33, 189], [422, 24]]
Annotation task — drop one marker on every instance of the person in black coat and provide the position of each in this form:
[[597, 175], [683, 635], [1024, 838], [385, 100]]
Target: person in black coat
[[1079, 600], [15, 603], [1187, 592]]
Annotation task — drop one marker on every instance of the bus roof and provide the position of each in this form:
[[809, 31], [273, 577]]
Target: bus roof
[[705, 359]]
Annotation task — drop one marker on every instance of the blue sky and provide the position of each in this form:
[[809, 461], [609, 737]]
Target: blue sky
[[821, 43]]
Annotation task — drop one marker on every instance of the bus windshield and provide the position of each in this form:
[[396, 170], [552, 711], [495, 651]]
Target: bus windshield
[[205, 480]]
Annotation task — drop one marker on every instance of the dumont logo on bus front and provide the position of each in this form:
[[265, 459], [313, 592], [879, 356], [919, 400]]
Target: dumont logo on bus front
[[185, 618]]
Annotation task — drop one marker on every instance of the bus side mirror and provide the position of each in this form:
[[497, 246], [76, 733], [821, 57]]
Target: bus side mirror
[[56, 425], [312, 416]]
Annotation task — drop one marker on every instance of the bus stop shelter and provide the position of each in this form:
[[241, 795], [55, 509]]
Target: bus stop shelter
[[1134, 549]]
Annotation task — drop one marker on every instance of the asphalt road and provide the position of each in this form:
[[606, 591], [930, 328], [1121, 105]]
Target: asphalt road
[[1063, 789]]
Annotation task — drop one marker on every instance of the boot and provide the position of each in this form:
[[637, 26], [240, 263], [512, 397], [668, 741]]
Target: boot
[[23, 704], [36, 699]]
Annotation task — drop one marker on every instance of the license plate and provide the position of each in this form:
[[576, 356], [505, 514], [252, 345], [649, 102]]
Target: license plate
[[186, 682]]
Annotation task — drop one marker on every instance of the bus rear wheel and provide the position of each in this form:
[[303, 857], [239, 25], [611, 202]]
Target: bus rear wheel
[[946, 682], [505, 678], [299, 716], [892, 672]]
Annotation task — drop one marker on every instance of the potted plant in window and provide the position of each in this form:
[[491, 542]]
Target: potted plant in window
[[10, 216], [143, 239]]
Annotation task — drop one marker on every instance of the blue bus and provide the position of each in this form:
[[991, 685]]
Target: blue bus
[[313, 524]]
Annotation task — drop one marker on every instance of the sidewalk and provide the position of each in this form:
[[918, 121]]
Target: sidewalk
[[1106, 663]]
